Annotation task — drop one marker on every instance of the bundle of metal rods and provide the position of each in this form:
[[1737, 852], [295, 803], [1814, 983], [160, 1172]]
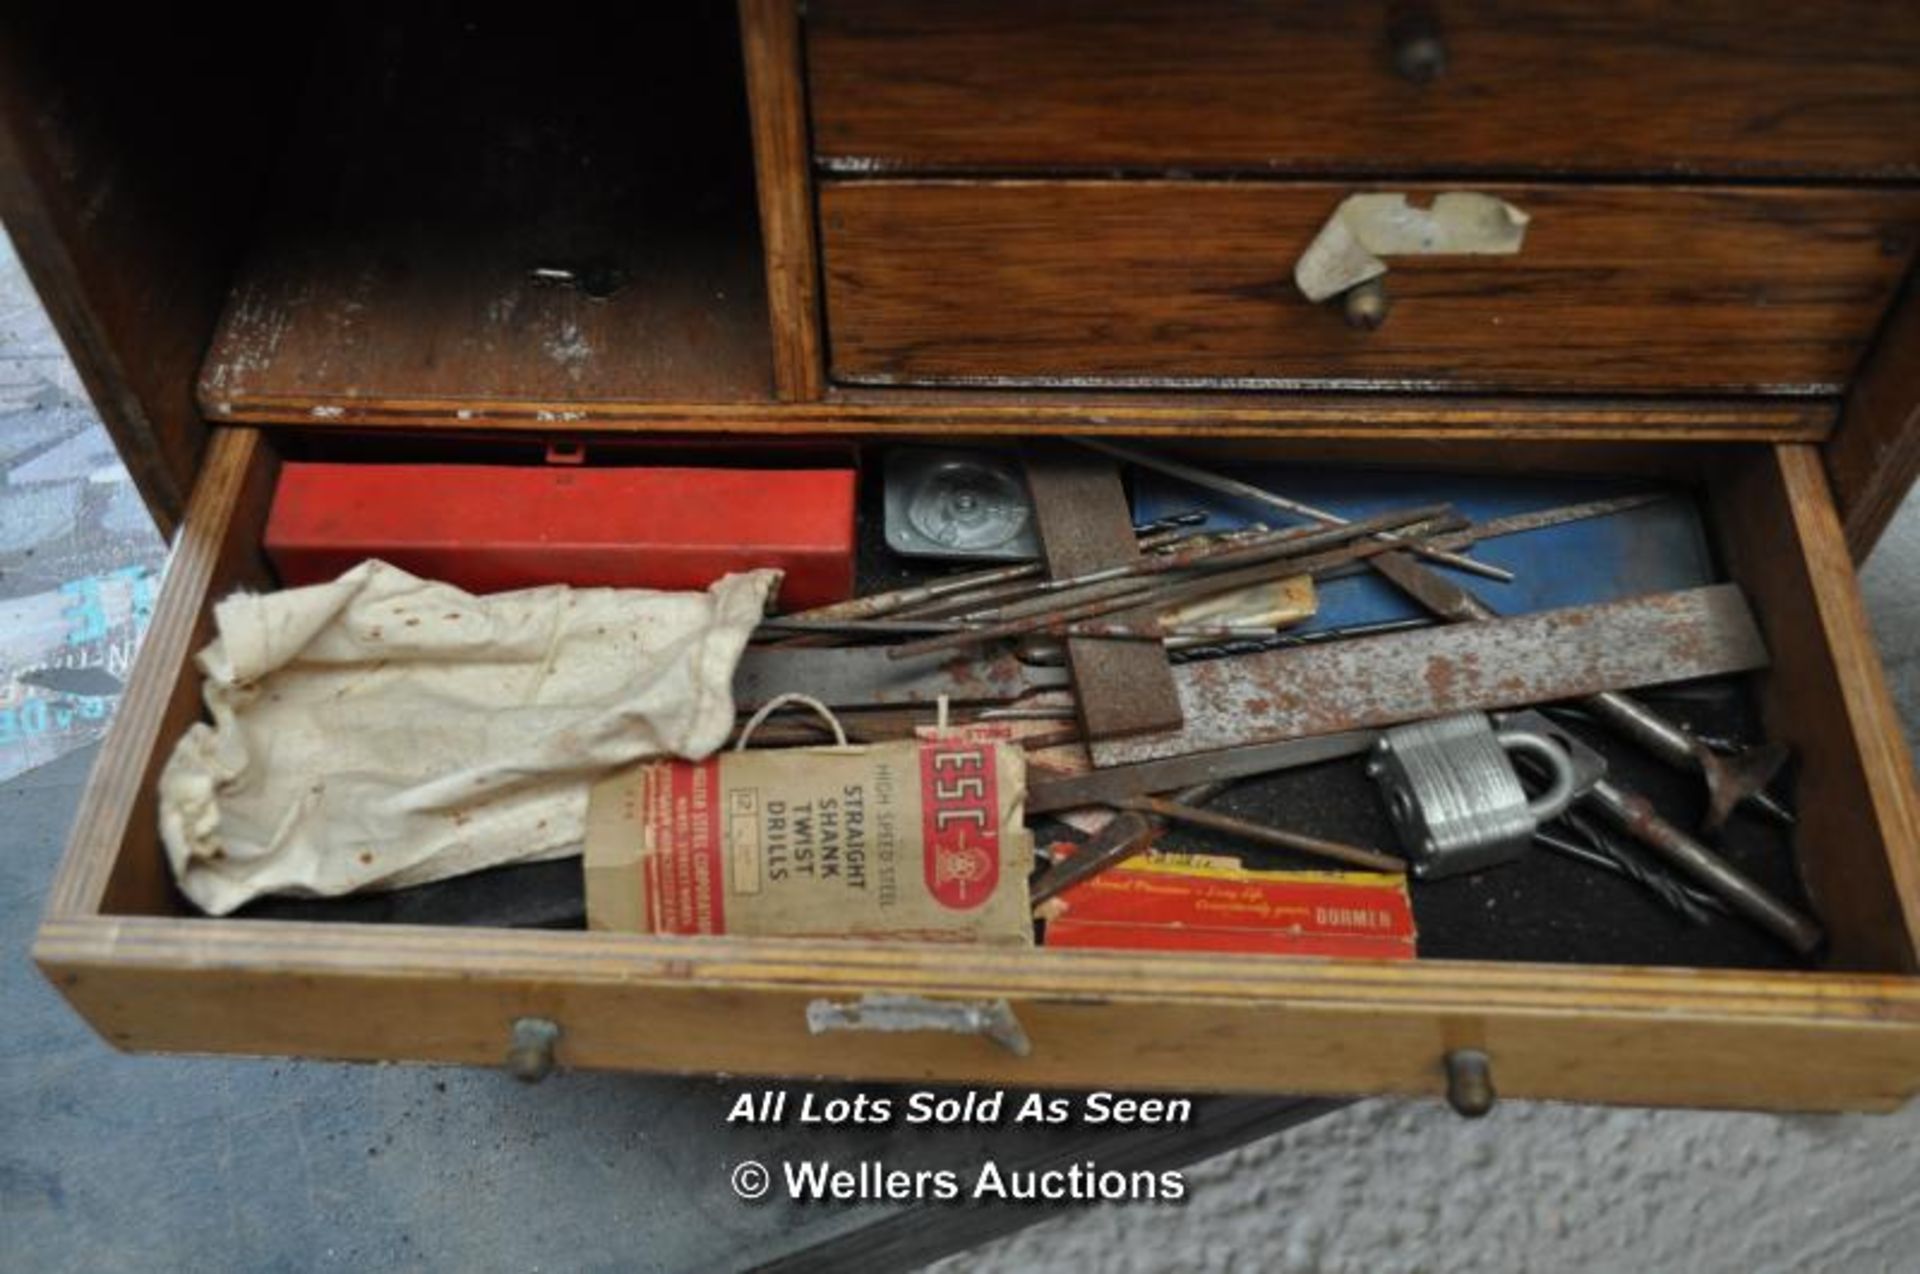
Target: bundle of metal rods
[[1175, 568]]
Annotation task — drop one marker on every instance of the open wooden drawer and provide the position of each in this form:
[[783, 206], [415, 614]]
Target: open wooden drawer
[[446, 260], [119, 943]]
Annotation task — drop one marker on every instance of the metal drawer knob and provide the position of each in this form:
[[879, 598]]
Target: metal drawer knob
[[530, 1054], [1470, 1082], [1367, 305]]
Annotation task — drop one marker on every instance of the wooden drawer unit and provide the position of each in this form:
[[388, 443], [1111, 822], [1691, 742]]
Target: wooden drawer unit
[[1645, 87], [1617, 289], [468, 285], [1153, 241]]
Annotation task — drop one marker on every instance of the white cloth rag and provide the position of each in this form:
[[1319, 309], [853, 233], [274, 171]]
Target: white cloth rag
[[382, 731]]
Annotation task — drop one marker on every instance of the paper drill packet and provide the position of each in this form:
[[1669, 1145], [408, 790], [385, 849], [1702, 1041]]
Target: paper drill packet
[[915, 840]]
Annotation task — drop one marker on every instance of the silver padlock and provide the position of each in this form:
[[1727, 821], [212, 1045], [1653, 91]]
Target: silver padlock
[[1454, 796]]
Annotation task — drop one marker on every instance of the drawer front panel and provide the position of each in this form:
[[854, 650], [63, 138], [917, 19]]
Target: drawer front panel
[[1190, 284], [1257, 1024], [1721, 87]]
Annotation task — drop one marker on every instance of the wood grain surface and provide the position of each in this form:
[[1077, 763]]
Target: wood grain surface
[[1716, 87], [1096, 283], [1375, 418], [776, 93], [1874, 454], [114, 860], [464, 215], [1103, 1019], [1121, 688], [1858, 837]]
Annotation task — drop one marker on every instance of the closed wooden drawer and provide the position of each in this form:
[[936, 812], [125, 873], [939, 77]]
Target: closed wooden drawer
[[1191, 284], [1578, 86], [120, 945]]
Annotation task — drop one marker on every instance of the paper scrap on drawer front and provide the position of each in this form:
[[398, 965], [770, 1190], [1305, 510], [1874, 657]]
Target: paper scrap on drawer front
[[381, 730], [1365, 228]]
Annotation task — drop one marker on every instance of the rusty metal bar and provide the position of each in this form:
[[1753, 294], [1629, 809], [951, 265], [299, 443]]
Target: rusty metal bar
[[1503, 663]]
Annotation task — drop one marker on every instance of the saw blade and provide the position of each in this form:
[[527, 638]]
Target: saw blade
[[865, 677]]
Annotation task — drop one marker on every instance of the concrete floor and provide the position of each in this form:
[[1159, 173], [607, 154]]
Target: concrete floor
[[79, 558], [117, 1163]]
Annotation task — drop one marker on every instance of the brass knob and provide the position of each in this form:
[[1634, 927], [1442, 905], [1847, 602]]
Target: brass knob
[[1470, 1082], [1366, 304], [530, 1053]]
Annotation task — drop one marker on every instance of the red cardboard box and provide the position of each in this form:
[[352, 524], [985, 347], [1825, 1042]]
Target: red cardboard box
[[1189, 903], [489, 529]]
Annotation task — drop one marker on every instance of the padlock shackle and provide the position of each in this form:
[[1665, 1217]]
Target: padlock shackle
[[1553, 802]]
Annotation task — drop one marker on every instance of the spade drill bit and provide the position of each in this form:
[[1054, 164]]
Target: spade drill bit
[[1731, 780]]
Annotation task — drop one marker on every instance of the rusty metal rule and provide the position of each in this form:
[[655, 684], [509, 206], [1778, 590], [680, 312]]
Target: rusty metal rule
[[1502, 663]]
